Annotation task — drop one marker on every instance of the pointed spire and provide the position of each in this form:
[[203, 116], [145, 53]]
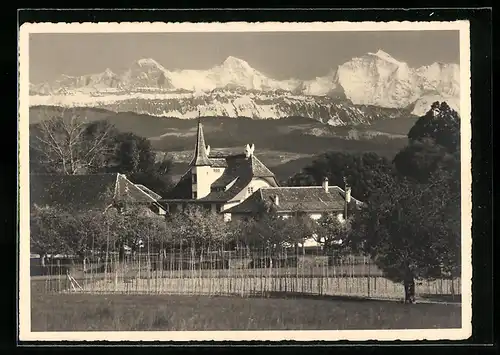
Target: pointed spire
[[200, 157]]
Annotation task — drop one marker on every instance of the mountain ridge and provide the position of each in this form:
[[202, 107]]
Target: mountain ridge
[[375, 79]]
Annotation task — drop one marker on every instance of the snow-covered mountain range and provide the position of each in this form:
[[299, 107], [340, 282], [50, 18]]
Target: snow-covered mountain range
[[234, 89]]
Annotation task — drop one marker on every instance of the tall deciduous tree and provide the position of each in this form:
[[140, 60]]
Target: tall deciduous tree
[[440, 124], [68, 144], [411, 231], [434, 144]]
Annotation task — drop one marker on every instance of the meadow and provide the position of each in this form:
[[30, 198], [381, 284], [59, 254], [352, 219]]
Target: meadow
[[271, 299], [118, 312]]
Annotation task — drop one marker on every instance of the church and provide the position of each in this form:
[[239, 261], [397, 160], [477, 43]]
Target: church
[[237, 184]]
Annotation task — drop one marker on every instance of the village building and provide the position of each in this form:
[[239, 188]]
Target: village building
[[218, 180], [84, 193], [237, 185], [313, 201], [96, 192]]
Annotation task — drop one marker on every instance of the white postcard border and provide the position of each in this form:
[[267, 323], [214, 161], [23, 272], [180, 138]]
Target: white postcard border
[[25, 333]]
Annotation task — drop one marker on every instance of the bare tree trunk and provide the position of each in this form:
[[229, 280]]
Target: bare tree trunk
[[121, 257], [409, 285]]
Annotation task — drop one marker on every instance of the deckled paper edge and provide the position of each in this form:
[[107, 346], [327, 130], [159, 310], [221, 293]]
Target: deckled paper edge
[[25, 333]]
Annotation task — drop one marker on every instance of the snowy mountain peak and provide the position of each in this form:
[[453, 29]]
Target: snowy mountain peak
[[236, 63], [148, 62], [384, 56]]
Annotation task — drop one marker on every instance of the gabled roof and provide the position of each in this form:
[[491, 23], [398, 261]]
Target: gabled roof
[[73, 191], [259, 169], [222, 153], [200, 157], [84, 192], [304, 198], [150, 192], [218, 162], [239, 173]]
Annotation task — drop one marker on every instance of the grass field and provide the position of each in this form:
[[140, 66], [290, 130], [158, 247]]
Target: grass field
[[81, 312]]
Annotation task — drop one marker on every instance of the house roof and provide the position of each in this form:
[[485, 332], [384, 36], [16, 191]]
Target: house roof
[[221, 153], [218, 162], [304, 198], [150, 192], [83, 192], [239, 171]]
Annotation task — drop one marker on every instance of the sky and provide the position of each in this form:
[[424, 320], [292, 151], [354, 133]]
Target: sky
[[279, 55]]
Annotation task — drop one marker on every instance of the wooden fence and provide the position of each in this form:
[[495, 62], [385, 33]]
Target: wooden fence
[[241, 272]]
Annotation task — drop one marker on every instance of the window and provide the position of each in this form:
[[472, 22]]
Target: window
[[216, 170], [194, 195], [194, 178], [218, 208], [250, 190]]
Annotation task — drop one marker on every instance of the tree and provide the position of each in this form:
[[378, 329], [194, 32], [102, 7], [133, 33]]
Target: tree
[[333, 233], [434, 143], [136, 227], [158, 178], [421, 159], [67, 144], [92, 232], [299, 227], [49, 231], [411, 231], [199, 228], [134, 156], [362, 171], [127, 153], [440, 124]]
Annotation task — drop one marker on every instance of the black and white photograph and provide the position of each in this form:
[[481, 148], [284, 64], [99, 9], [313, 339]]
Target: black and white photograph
[[245, 181]]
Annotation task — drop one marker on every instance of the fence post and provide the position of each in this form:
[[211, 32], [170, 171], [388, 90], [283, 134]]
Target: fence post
[[368, 276]]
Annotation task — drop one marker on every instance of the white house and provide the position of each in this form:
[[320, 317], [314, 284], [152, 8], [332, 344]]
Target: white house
[[219, 180], [315, 201], [237, 184]]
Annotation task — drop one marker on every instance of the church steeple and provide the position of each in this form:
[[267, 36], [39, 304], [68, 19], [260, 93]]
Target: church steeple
[[201, 151]]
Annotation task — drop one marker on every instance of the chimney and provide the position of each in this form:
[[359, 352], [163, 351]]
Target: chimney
[[325, 184], [347, 198], [276, 200]]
